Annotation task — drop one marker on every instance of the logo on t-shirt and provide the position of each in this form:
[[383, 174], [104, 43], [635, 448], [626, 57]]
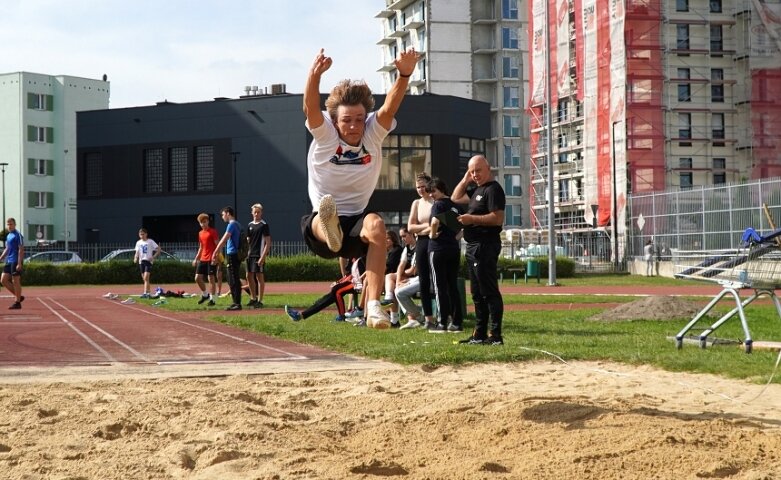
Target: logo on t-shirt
[[478, 197], [351, 157]]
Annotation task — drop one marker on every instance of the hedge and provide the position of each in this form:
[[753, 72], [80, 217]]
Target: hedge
[[306, 268]]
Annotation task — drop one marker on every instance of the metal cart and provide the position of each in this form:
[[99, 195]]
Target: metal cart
[[756, 266]]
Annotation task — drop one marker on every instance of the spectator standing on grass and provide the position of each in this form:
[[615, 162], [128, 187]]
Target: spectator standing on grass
[[344, 163], [418, 224], [483, 222], [204, 269], [230, 241], [648, 252], [444, 255], [13, 253], [146, 253], [259, 238]]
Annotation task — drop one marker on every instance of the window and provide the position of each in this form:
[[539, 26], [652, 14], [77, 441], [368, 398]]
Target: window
[[512, 215], [509, 67], [510, 9], [177, 166], [40, 232], [468, 148], [686, 181], [684, 89], [719, 163], [511, 99], [39, 166], [509, 38], [404, 157], [564, 191], [563, 110], [512, 185], [93, 174], [682, 36], [717, 129], [685, 128], [716, 42], [512, 156], [681, 5], [719, 178], [204, 168], [41, 199], [153, 170], [40, 101], [512, 125], [715, 6], [40, 134], [717, 85], [685, 163]]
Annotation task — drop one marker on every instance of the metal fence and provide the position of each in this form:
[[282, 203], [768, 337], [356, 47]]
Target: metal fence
[[184, 251], [706, 218]]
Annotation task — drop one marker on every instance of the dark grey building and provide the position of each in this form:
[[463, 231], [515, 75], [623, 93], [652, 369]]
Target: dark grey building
[[159, 166]]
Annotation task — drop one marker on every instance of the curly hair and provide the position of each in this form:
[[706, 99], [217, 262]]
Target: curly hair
[[349, 92]]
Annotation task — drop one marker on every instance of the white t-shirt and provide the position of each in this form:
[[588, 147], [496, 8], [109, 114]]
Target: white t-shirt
[[146, 249], [348, 173]]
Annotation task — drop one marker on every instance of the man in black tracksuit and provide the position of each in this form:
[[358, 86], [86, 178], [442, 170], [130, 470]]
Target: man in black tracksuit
[[483, 222]]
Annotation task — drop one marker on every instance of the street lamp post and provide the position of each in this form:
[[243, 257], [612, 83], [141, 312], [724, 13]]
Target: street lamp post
[[2, 166], [235, 156], [615, 203]]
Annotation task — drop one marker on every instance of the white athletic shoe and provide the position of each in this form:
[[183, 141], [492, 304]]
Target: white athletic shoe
[[329, 219], [108, 295], [128, 301], [410, 325], [377, 318]]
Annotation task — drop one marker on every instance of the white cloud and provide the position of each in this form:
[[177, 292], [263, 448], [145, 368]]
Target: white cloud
[[187, 51]]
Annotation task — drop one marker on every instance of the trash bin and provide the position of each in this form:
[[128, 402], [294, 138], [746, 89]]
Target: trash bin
[[532, 268]]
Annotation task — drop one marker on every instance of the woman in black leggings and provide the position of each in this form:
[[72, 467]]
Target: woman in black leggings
[[418, 224]]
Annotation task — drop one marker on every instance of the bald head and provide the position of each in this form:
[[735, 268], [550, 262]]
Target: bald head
[[480, 170]]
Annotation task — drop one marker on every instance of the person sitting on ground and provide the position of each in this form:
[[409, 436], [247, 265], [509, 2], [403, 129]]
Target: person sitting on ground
[[348, 284], [344, 164]]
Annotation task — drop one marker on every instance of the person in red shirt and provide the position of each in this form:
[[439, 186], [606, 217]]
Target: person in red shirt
[[204, 269]]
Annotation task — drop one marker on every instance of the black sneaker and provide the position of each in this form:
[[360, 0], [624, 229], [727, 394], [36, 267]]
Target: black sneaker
[[258, 304], [494, 341], [473, 341], [15, 306], [453, 328], [211, 303], [439, 328], [203, 299], [396, 325], [234, 306], [251, 303]]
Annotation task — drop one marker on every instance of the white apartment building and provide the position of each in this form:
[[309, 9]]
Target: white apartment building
[[473, 49], [38, 150]]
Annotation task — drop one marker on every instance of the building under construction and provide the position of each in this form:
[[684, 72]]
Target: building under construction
[[648, 95]]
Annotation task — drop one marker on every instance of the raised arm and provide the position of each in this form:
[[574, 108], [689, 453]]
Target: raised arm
[[312, 110], [405, 64], [459, 193]]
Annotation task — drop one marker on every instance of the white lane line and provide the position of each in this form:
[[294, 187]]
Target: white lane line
[[79, 332], [111, 337], [290, 355]]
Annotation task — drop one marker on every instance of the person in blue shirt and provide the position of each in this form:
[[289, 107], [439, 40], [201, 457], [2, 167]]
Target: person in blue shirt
[[230, 240], [14, 258]]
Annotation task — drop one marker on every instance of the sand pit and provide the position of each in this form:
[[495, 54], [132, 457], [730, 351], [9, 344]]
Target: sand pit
[[508, 421], [654, 307]]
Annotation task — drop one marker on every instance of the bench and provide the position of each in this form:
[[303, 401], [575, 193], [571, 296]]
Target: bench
[[517, 273]]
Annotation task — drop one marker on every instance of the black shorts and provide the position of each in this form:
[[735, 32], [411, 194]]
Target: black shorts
[[10, 269], [145, 266], [205, 268], [252, 265], [352, 245]]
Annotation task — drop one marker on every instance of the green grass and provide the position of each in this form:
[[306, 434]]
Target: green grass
[[528, 335]]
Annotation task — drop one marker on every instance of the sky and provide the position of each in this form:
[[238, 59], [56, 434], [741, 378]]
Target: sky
[[190, 51]]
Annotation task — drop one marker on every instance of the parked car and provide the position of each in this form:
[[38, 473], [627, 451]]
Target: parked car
[[55, 256], [127, 254]]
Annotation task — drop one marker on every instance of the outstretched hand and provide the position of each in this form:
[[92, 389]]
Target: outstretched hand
[[406, 61], [321, 63]]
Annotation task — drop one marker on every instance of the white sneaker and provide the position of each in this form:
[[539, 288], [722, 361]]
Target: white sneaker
[[108, 295], [128, 301], [377, 318], [410, 324], [329, 219]]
